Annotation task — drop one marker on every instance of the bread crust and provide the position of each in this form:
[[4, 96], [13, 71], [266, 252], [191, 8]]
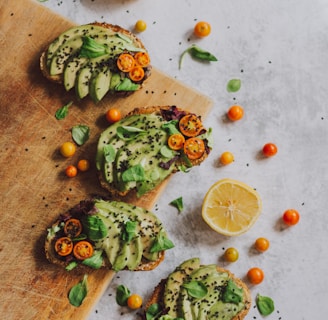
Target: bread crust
[[158, 294], [139, 111], [116, 28], [52, 256]]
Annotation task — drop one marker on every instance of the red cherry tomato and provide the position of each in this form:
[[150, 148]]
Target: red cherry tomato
[[291, 217], [255, 275], [269, 149]]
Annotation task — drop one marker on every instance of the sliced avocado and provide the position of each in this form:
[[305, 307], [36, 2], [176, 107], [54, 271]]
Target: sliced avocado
[[82, 82], [71, 69], [185, 310], [114, 81], [223, 311], [122, 258], [174, 282], [135, 253], [99, 84]]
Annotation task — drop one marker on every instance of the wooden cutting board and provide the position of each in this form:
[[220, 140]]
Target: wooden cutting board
[[33, 187]]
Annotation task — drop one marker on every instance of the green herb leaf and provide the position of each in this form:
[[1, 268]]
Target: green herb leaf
[[94, 227], [134, 173], [171, 127], [197, 53], [195, 289], [128, 133], [127, 85], [71, 266], [62, 112], [95, 261], [161, 243], [129, 230], [92, 49], [265, 305], [80, 134], [109, 153], [122, 295], [178, 203], [232, 293], [233, 85], [78, 292], [153, 311], [53, 230], [166, 152]]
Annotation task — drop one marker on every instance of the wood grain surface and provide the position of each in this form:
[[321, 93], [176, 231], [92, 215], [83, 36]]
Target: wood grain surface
[[33, 187]]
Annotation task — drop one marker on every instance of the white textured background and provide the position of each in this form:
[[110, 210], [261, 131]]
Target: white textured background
[[279, 50]]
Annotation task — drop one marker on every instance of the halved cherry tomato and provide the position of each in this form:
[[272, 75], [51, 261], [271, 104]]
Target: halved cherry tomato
[[73, 227], [194, 148], [137, 74], [255, 275], [176, 141], [202, 29], [83, 250], [190, 125], [125, 62], [64, 246], [142, 59]]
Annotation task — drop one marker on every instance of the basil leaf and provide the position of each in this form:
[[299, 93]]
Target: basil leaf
[[95, 261], [233, 85], [127, 85], [78, 292], [178, 203], [122, 295], [265, 305], [171, 127], [135, 173], [94, 227], [129, 230], [128, 133], [197, 53], [232, 293], [80, 134], [91, 49], [195, 289], [62, 112], [109, 153], [153, 311], [161, 243]]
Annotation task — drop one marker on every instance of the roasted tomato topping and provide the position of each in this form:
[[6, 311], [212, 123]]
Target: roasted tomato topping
[[176, 141], [194, 148], [190, 125], [73, 227], [83, 250], [64, 246]]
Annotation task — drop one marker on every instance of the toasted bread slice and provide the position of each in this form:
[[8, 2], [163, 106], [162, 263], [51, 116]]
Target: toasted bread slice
[[157, 297], [114, 252], [135, 45], [180, 160]]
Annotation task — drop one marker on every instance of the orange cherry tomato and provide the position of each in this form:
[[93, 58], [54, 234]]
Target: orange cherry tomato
[[235, 113], [137, 74], [71, 171], [226, 158], [176, 141], [262, 244], [64, 246], [113, 115], [73, 227], [202, 29], [269, 149], [83, 250], [142, 59], [83, 165], [291, 217], [190, 125], [125, 62], [134, 301], [255, 275], [194, 148]]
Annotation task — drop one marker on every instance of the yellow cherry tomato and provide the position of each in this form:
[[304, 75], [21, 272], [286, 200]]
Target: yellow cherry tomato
[[134, 301], [226, 158], [140, 26], [83, 165], [202, 29], [67, 149], [262, 244], [71, 171], [235, 113], [113, 115], [231, 254]]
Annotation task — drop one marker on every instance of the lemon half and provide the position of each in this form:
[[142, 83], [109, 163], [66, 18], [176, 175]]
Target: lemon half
[[231, 207]]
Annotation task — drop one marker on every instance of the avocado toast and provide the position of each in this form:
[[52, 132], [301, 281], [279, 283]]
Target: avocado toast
[[194, 291], [98, 233], [96, 59], [137, 153]]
